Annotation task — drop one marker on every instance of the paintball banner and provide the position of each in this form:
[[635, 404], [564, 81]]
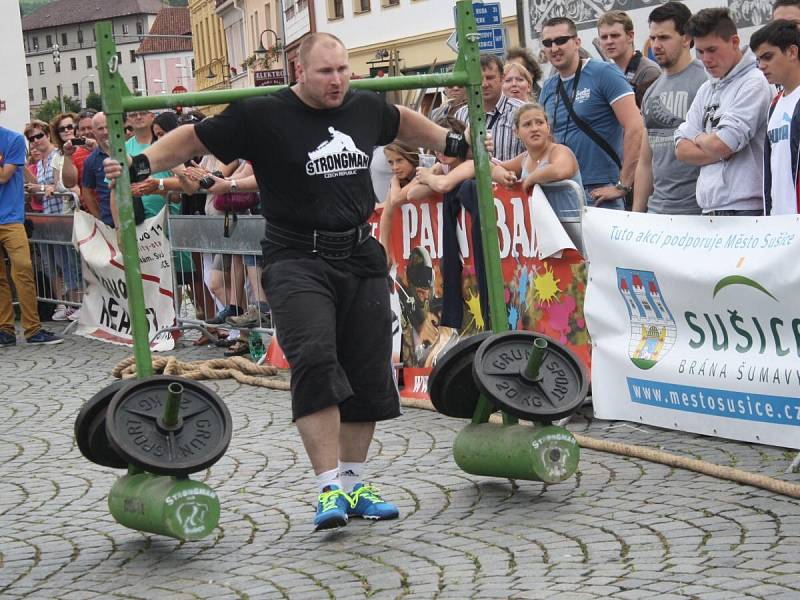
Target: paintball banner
[[695, 323], [104, 314], [541, 295]]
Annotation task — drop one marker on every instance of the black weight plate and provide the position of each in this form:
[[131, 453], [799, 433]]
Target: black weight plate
[[94, 405], [101, 450], [500, 362], [451, 386], [136, 433]]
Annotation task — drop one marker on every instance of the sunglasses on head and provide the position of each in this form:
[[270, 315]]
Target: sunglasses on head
[[559, 41], [64, 128], [35, 137]]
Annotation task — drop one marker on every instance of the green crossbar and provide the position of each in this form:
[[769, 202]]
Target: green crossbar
[[117, 99]]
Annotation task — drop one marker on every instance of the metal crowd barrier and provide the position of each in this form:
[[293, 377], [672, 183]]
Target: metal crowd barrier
[[205, 260], [568, 191], [56, 262]]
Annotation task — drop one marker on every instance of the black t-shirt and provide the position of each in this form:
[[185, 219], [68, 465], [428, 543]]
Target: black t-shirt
[[312, 165]]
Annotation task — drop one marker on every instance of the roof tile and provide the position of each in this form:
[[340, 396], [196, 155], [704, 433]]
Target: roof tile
[[169, 21], [67, 12]]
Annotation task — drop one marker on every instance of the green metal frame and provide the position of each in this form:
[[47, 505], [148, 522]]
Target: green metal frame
[[481, 448]]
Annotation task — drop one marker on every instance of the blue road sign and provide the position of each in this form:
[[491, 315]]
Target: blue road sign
[[492, 40], [487, 14]]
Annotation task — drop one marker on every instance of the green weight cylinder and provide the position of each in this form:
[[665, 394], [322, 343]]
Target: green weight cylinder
[[178, 508], [539, 453]]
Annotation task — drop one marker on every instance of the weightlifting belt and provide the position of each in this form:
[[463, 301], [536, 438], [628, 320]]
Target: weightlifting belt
[[334, 245]]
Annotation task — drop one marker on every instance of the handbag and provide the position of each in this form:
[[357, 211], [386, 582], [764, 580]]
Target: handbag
[[236, 201]]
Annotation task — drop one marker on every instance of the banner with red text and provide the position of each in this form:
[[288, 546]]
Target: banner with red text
[[540, 295], [104, 314]]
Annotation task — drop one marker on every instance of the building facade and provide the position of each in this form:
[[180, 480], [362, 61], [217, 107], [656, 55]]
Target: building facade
[[212, 67], [300, 19], [168, 61], [69, 25], [401, 36]]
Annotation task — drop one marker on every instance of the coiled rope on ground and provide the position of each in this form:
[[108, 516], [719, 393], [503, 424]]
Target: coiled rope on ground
[[236, 367]]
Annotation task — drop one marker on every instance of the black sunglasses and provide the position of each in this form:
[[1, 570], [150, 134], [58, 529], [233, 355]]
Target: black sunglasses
[[559, 41], [36, 136], [64, 128]]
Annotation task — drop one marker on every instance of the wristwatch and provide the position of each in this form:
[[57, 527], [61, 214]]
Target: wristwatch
[[234, 186], [160, 185], [625, 189]]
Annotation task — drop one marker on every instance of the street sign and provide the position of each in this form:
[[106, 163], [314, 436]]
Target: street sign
[[452, 42], [270, 77], [489, 20], [492, 41], [487, 14]]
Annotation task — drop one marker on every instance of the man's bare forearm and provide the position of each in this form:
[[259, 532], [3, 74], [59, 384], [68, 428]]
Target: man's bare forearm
[[175, 148]]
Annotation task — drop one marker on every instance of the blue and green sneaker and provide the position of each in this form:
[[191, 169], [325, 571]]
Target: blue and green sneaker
[[367, 504], [332, 508]]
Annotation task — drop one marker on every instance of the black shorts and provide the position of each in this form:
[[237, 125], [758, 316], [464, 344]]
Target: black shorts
[[335, 329]]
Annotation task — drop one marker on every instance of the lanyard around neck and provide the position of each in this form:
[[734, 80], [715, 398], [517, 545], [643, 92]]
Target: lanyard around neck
[[560, 85]]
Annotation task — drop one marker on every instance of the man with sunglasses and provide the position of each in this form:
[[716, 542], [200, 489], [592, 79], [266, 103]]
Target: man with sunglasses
[[14, 245], [325, 275], [593, 111]]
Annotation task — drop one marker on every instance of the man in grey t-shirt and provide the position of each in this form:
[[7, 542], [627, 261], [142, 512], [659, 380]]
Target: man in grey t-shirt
[[663, 184]]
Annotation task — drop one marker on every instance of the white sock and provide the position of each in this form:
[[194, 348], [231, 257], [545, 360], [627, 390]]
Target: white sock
[[350, 472], [328, 478]]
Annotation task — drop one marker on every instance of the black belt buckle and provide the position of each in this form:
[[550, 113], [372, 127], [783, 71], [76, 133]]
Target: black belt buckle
[[363, 231]]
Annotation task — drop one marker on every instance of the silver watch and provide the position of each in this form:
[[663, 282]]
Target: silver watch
[[234, 186]]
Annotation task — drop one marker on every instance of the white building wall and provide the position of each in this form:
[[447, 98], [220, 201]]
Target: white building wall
[[298, 24], [381, 24], [14, 90]]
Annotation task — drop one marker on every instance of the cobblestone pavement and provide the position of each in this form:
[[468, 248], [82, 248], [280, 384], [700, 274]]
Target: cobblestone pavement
[[622, 528]]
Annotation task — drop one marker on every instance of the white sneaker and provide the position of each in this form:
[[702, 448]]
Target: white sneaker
[[60, 313], [74, 314]]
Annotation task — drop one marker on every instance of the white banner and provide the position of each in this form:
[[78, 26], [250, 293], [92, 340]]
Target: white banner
[[695, 323], [104, 313]]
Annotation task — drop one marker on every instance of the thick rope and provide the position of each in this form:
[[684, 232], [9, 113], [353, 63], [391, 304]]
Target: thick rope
[[771, 484], [236, 367]]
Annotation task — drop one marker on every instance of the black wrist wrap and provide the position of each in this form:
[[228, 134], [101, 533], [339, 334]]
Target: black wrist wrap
[[455, 145], [140, 168]]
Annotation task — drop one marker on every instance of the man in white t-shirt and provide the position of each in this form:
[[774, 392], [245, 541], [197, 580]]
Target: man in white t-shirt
[[777, 47]]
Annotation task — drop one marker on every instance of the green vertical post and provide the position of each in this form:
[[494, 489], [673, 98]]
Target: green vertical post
[[536, 358], [469, 59], [113, 90], [172, 406]]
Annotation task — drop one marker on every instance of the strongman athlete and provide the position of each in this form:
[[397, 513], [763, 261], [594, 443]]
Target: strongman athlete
[[325, 275]]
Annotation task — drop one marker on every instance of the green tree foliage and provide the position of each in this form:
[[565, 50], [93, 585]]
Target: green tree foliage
[[93, 101], [51, 108]]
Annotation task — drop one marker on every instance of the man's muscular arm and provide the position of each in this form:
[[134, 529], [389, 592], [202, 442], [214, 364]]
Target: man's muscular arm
[[417, 130], [175, 148]]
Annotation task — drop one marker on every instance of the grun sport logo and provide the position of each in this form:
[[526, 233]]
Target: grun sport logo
[[652, 327]]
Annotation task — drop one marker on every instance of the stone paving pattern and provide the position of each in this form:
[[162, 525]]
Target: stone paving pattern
[[621, 528]]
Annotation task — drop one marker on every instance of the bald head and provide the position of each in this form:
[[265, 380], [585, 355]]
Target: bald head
[[308, 44], [100, 129]]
